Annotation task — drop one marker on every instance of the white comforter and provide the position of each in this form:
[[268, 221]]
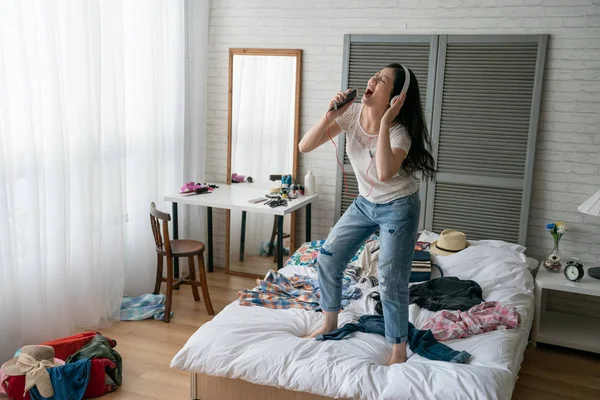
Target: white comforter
[[266, 346]]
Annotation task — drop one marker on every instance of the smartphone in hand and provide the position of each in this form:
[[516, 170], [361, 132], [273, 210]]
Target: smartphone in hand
[[349, 97]]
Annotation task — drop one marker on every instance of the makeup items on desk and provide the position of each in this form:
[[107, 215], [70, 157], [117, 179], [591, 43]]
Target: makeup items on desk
[[277, 203], [309, 183], [286, 185], [288, 189], [197, 188], [286, 182], [237, 178], [256, 201], [271, 201]]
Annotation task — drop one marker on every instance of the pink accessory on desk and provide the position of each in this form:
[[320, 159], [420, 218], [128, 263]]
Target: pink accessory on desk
[[191, 187], [238, 178]]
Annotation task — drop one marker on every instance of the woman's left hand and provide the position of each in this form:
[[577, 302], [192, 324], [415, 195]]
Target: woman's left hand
[[394, 110]]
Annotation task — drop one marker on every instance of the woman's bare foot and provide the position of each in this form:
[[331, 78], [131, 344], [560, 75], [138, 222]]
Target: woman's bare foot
[[398, 354], [330, 324]]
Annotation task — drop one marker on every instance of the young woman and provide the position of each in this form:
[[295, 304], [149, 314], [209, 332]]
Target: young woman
[[387, 145]]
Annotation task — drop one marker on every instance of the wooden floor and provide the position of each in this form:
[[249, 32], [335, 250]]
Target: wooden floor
[[147, 348], [255, 265]]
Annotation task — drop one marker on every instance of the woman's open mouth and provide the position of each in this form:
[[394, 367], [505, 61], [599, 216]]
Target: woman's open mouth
[[368, 92]]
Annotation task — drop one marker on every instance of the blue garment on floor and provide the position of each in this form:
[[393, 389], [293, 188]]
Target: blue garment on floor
[[69, 381], [421, 342], [143, 307]]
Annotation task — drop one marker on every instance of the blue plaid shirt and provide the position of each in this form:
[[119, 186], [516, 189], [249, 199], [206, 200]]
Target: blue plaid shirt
[[278, 291]]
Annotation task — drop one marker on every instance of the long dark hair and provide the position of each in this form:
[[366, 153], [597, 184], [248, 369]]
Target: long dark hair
[[411, 117]]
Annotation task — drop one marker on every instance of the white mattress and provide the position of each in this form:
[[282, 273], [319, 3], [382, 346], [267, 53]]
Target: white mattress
[[266, 346]]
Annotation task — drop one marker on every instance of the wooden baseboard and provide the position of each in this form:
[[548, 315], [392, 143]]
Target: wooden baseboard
[[205, 387]]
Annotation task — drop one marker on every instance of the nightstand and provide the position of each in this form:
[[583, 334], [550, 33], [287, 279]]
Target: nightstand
[[560, 328]]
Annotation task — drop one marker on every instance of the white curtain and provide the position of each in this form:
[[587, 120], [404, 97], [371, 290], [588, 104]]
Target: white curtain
[[263, 110], [198, 14], [92, 107]]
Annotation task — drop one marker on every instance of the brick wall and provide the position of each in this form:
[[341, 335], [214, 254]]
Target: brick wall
[[567, 167]]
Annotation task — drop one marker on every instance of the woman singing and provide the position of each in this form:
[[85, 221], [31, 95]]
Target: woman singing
[[387, 146]]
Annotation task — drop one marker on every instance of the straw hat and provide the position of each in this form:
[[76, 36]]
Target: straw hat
[[450, 242], [32, 362]]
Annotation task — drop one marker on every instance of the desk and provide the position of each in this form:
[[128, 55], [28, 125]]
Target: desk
[[236, 197]]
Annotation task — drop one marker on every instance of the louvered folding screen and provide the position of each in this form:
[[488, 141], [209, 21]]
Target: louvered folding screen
[[364, 55], [484, 125]]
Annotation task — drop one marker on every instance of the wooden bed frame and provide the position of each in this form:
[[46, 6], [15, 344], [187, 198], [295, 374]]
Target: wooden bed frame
[[206, 387]]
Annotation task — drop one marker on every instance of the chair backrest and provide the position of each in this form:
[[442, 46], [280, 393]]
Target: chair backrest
[[156, 216]]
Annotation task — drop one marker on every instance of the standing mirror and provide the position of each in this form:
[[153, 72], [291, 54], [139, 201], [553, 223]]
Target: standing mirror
[[264, 91]]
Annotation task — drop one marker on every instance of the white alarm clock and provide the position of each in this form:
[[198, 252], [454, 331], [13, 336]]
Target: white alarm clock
[[574, 270]]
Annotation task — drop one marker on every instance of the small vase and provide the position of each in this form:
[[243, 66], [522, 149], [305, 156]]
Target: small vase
[[553, 263]]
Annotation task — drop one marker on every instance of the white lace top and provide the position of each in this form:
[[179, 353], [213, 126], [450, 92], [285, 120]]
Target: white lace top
[[361, 147]]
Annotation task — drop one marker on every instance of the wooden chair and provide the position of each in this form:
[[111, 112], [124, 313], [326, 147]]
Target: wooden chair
[[177, 248]]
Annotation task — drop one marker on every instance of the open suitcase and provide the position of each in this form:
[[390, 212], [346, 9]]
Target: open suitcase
[[105, 373]]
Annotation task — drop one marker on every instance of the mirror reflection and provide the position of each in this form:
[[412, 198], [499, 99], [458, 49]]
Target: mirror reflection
[[263, 143]]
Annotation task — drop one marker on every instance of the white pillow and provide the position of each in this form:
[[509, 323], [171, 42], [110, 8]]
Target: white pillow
[[501, 244], [430, 237]]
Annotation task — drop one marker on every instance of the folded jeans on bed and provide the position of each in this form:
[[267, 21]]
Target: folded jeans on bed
[[421, 342]]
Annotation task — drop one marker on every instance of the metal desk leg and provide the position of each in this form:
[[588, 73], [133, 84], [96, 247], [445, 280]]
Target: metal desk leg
[[243, 236], [210, 239], [308, 222], [175, 237], [279, 242]]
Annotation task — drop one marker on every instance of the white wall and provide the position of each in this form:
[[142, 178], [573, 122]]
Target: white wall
[[567, 168]]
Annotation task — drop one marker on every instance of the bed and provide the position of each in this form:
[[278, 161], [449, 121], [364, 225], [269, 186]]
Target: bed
[[262, 353]]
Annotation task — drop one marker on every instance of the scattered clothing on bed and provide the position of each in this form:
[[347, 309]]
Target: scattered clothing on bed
[[369, 258], [306, 255], [69, 381], [367, 264], [279, 291], [143, 307], [355, 275], [422, 246], [484, 317], [101, 347], [353, 271], [421, 342], [369, 282], [447, 293]]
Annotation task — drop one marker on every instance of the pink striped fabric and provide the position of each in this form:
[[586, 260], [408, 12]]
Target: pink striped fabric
[[484, 317]]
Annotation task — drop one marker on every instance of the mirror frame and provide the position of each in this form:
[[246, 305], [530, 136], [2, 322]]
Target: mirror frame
[[297, 53]]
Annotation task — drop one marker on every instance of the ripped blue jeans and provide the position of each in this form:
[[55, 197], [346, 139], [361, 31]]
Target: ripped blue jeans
[[398, 222]]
